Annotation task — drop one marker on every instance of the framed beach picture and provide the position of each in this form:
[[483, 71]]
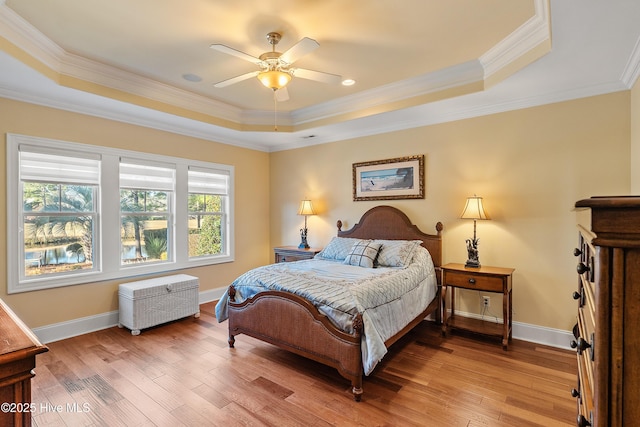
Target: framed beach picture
[[401, 178]]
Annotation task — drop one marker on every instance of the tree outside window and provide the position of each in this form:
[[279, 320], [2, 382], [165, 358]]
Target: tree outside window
[[205, 224], [58, 222], [145, 226]]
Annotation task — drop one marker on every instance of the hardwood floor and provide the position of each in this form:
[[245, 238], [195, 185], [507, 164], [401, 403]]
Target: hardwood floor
[[183, 373]]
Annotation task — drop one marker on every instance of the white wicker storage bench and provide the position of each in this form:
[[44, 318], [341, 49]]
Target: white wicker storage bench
[[151, 302]]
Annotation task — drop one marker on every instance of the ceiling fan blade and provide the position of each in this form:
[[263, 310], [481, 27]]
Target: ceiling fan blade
[[233, 52], [282, 94], [298, 50], [316, 75], [236, 79]]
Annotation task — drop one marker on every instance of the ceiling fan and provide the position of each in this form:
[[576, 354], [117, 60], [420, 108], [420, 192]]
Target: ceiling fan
[[276, 69]]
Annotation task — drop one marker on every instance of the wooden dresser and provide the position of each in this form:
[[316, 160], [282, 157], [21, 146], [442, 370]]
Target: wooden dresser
[[607, 335], [18, 350]]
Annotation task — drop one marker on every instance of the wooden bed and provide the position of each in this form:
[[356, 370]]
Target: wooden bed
[[300, 328]]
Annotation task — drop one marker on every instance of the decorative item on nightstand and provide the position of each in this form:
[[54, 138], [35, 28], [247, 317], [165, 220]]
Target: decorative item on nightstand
[[474, 210], [306, 209]]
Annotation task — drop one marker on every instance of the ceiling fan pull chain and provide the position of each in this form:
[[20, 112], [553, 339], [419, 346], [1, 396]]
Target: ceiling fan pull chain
[[275, 112]]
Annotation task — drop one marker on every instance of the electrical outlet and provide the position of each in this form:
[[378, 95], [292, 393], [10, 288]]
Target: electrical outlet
[[485, 301]]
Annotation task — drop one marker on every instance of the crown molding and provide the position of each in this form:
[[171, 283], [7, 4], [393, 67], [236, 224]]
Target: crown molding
[[27, 37], [86, 74], [105, 75], [532, 33], [632, 69], [35, 44], [454, 76]]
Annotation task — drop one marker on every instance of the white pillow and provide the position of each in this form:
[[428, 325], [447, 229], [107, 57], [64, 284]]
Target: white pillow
[[396, 253], [337, 249], [363, 253]]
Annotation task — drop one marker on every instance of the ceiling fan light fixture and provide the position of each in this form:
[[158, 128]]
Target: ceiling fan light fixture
[[274, 79]]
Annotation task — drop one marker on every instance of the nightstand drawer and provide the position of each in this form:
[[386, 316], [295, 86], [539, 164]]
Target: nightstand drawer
[[291, 257], [293, 253], [474, 281]]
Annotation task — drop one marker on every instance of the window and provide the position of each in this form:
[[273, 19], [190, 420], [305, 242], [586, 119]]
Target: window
[[59, 215], [76, 224], [207, 211], [146, 200]]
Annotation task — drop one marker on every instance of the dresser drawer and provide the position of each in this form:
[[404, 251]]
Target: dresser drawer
[[586, 336], [474, 281], [585, 396]]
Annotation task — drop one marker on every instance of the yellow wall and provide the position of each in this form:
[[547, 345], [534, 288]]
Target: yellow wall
[[39, 308], [635, 138], [529, 165]]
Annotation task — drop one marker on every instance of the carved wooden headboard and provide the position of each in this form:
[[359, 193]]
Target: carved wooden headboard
[[389, 223]]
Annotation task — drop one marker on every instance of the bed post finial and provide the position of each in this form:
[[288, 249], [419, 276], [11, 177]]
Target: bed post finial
[[339, 225], [439, 227]]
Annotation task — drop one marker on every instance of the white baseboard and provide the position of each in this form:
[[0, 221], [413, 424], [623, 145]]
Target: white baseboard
[[84, 325], [537, 334], [75, 327], [59, 331]]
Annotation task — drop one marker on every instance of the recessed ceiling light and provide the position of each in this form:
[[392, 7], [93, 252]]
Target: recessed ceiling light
[[192, 77], [348, 82]]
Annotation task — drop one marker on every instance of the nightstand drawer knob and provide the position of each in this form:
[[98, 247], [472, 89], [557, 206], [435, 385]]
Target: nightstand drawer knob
[[472, 281], [577, 295], [577, 252], [582, 268], [575, 393]]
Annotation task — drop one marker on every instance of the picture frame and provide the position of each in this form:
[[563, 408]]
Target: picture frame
[[390, 179]]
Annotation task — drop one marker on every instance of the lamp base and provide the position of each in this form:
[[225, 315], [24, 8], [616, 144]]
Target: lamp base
[[473, 260], [472, 263], [303, 237]]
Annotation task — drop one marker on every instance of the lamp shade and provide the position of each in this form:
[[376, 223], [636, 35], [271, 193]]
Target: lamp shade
[[306, 208], [274, 79], [474, 209]]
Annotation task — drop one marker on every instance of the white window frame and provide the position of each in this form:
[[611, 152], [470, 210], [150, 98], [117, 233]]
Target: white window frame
[[108, 230]]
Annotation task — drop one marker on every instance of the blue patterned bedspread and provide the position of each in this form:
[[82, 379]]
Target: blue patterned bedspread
[[387, 298]]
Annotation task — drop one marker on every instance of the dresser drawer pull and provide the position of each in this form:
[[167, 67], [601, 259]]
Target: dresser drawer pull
[[582, 268], [575, 393], [582, 421], [580, 345], [579, 296], [577, 252], [472, 281]]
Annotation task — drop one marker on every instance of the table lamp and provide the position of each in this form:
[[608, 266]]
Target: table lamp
[[306, 209], [474, 210]]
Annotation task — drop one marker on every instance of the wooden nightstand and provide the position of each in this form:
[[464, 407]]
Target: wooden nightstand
[[293, 253], [484, 279]]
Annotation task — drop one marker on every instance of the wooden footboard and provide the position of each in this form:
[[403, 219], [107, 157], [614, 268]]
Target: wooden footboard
[[292, 323]]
